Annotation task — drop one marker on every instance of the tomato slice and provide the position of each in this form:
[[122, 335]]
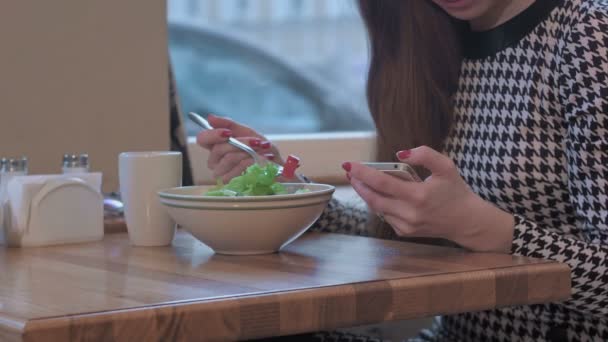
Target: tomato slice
[[290, 166]]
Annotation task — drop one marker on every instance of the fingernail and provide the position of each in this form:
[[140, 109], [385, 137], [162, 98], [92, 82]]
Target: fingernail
[[269, 156], [265, 144], [255, 142], [404, 154], [211, 115], [226, 133], [346, 166], [348, 176]]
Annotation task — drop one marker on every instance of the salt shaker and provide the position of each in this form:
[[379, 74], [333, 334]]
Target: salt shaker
[[9, 168], [3, 162], [73, 163], [14, 165]]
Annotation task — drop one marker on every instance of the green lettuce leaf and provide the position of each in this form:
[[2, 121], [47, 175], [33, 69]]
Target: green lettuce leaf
[[255, 181]]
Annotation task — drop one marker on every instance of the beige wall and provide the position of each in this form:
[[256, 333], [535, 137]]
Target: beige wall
[[82, 76]]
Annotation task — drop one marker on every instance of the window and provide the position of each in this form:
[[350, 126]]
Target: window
[[280, 66], [288, 66]]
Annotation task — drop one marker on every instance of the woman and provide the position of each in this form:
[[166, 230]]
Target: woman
[[504, 105]]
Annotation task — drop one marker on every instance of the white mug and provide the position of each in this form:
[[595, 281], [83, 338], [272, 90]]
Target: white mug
[[141, 175]]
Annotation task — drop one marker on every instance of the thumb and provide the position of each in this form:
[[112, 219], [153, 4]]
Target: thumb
[[428, 158]]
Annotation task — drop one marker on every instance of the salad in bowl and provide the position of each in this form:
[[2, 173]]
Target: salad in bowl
[[251, 214]]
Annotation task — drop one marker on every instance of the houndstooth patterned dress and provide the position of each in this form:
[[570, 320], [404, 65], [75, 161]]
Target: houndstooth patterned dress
[[531, 136]]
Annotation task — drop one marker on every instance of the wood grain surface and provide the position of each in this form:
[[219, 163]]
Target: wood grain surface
[[110, 291]]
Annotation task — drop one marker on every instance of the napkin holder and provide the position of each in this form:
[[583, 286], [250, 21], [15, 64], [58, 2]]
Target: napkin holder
[[53, 209]]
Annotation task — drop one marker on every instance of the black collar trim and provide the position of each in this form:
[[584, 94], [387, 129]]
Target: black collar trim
[[482, 44]]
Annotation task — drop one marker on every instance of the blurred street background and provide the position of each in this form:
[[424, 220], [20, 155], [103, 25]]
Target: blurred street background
[[282, 66]]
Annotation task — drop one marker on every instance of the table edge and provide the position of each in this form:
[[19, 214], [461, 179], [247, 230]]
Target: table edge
[[515, 278], [11, 329]]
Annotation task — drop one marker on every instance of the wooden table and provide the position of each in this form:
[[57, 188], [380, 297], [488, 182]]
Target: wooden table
[[109, 291]]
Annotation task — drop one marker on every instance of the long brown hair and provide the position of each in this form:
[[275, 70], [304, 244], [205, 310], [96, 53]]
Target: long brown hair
[[415, 59], [414, 67]]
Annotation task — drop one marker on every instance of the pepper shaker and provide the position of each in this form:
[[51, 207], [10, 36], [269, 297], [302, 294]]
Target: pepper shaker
[[73, 163]]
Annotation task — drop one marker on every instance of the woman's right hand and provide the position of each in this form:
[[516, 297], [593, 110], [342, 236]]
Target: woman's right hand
[[225, 160]]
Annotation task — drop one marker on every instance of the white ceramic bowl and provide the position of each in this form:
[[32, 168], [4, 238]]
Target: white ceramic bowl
[[248, 224]]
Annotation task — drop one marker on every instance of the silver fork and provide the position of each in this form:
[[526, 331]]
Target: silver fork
[[199, 120]]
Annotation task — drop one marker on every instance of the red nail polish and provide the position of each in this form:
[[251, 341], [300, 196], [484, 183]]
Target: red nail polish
[[346, 166], [404, 154], [348, 176], [226, 133], [265, 144], [269, 156], [255, 142]]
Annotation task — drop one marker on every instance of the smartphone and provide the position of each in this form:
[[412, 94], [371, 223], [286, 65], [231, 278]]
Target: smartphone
[[400, 170]]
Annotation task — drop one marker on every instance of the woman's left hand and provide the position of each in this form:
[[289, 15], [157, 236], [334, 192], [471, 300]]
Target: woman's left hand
[[441, 206]]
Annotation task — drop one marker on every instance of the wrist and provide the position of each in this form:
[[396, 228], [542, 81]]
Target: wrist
[[490, 229]]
